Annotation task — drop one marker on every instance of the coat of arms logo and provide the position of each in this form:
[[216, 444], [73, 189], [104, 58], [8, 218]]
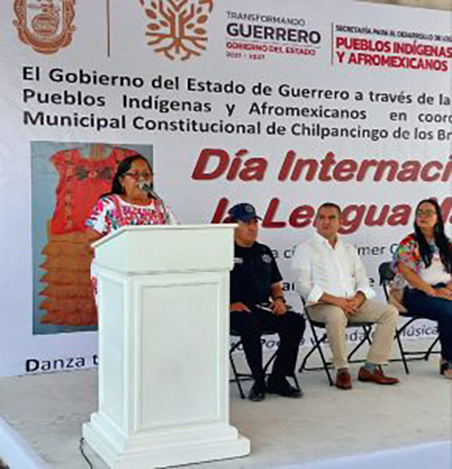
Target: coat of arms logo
[[46, 25], [177, 28]]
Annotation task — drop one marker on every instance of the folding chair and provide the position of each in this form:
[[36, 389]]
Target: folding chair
[[386, 276], [239, 377], [326, 365]]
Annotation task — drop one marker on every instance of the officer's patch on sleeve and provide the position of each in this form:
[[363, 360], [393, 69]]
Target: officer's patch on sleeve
[[266, 258]]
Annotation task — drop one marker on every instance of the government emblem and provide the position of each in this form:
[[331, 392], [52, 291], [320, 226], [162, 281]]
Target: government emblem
[[177, 28], [45, 25]]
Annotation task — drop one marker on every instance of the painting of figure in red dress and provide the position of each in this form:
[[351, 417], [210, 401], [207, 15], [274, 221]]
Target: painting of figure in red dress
[[67, 180]]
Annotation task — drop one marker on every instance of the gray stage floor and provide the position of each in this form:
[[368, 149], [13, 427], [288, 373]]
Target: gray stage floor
[[49, 410]]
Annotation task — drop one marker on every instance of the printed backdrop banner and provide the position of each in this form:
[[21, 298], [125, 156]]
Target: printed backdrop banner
[[282, 104]]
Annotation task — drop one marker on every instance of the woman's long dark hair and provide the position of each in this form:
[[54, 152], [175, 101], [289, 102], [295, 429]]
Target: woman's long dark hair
[[441, 240], [123, 167]]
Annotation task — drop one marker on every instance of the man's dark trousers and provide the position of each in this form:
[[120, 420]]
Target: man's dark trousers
[[250, 326]]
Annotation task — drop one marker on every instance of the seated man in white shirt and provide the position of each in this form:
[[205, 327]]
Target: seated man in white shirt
[[334, 285]]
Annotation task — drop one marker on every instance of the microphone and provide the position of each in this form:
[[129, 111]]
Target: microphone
[[148, 187]]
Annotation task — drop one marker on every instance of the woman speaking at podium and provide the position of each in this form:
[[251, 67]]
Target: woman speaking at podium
[[132, 201]]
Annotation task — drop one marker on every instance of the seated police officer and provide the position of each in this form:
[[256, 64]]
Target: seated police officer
[[257, 305]]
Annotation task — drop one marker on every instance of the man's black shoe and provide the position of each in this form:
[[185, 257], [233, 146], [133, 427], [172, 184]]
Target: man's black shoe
[[257, 393], [283, 388]]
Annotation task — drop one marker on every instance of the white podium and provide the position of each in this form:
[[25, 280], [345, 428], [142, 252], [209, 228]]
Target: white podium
[[163, 347]]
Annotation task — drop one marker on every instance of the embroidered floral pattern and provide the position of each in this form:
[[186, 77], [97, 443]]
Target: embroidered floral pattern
[[110, 213], [102, 173], [408, 254]]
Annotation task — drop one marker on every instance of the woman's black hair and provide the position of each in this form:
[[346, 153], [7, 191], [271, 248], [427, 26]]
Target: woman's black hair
[[123, 167], [441, 240]]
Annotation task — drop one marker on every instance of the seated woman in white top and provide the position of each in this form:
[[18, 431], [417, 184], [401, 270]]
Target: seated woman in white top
[[424, 261]]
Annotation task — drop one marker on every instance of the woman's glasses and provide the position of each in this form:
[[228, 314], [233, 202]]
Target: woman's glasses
[[425, 213], [137, 174]]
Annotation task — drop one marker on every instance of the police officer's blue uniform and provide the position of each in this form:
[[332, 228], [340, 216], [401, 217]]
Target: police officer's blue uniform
[[255, 271]]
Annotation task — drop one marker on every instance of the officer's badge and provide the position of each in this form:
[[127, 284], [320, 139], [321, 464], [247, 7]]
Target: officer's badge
[[266, 258]]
